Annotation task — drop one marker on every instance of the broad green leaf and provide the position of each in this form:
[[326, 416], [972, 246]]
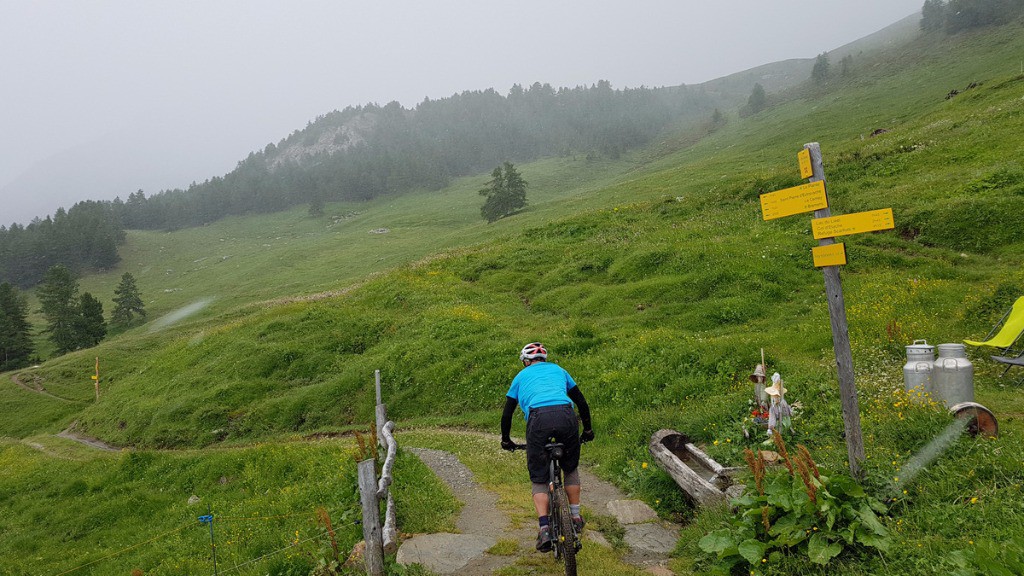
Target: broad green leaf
[[820, 550], [844, 486], [800, 497], [849, 532], [869, 519], [716, 542], [752, 550], [874, 540], [781, 498], [788, 532]]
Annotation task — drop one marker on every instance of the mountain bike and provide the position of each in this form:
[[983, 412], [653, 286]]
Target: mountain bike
[[565, 540]]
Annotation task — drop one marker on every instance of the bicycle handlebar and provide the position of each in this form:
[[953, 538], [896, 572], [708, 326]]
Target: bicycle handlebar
[[523, 446]]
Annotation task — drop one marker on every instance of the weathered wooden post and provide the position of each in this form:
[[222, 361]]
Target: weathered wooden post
[[390, 532], [829, 256], [381, 412], [840, 332], [373, 556], [96, 378], [376, 377]]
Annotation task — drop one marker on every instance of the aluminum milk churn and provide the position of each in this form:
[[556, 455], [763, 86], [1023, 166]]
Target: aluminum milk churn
[[917, 372], [952, 375]]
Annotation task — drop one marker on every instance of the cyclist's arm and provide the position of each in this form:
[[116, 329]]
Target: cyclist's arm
[[506, 417], [581, 403]]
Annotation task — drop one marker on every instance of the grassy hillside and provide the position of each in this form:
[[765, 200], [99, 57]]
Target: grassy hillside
[[652, 278]]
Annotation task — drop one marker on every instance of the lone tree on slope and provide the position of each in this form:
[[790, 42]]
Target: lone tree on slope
[[506, 193], [127, 302]]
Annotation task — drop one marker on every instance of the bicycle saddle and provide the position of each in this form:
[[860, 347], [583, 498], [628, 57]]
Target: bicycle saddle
[[555, 450]]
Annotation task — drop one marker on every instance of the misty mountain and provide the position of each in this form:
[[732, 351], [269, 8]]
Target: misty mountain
[[121, 163]]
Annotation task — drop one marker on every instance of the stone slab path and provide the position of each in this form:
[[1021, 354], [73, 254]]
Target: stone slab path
[[482, 524]]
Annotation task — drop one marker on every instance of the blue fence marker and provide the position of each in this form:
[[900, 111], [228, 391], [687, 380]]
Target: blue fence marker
[[208, 519]]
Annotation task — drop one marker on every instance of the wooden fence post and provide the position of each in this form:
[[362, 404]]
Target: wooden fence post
[[840, 336], [376, 377], [390, 534], [373, 556], [381, 412]]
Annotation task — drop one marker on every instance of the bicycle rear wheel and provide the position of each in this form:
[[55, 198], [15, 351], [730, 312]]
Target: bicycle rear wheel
[[566, 539]]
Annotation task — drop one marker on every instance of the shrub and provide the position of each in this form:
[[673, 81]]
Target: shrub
[[797, 510]]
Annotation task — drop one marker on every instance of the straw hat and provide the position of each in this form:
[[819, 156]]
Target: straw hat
[[758, 373], [776, 389]]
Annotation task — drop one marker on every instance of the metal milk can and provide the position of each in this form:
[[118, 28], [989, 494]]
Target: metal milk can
[[952, 375], [917, 372]]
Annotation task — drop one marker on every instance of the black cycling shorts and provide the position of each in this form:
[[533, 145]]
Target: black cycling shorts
[[558, 422]]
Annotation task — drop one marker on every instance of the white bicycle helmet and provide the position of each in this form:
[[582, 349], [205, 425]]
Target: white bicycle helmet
[[533, 351]]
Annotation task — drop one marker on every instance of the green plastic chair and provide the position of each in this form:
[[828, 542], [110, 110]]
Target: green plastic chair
[[1012, 327]]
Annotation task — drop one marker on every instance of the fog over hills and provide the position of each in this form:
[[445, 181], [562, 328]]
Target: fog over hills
[[174, 141]]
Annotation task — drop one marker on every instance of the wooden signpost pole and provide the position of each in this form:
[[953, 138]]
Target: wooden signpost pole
[[96, 379], [840, 335]]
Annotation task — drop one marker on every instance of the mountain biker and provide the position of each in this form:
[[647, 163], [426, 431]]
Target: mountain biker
[[546, 393]]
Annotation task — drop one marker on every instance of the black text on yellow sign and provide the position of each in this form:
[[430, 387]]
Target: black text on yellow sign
[[804, 158], [831, 255], [796, 200], [852, 223]]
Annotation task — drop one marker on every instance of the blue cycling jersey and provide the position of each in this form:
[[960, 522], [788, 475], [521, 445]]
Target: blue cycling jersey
[[541, 384]]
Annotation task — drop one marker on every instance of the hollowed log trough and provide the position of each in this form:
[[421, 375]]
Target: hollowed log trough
[[703, 479]]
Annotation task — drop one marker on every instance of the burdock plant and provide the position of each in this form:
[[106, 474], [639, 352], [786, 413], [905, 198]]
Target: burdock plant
[[797, 510]]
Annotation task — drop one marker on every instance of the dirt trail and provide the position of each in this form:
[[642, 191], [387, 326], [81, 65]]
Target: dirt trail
[[37, 387], [70, 434], [482, 524]]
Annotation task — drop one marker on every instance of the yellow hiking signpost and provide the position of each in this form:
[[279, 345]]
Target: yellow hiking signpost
[[852, 223], [795, 200], [829, 256], [804, 159], [96, 378]]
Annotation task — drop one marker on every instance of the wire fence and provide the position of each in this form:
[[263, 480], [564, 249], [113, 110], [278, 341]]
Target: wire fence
[[201, 521], [384, 540]]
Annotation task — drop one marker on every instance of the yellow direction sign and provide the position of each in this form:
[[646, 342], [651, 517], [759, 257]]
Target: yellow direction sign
[[804, 157], [795, 200], [852, 223], [831, 255]]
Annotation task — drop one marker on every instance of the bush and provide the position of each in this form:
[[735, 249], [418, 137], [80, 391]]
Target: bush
[[797, 511]]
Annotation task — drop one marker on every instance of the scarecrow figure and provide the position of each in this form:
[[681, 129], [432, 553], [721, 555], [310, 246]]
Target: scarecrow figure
[[780, 414], [758, 378]]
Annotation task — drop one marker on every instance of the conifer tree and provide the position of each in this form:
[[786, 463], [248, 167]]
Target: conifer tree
[[90, 326], [59, 304], [127, 302], [758, 100], [506, 193], [821, 70], [15, 340]]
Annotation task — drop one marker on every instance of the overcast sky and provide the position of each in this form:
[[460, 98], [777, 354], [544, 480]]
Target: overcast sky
[[222, 78]]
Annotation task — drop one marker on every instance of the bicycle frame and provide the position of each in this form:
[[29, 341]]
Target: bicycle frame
[[565, 540], [560, 535]]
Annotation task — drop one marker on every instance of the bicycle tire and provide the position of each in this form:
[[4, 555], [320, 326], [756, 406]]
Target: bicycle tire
[[566, 541]]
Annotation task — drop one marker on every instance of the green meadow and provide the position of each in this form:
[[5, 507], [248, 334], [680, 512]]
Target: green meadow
[[652, 278]]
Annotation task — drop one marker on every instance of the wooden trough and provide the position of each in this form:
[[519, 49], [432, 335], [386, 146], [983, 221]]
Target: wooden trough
[[703, 479]]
